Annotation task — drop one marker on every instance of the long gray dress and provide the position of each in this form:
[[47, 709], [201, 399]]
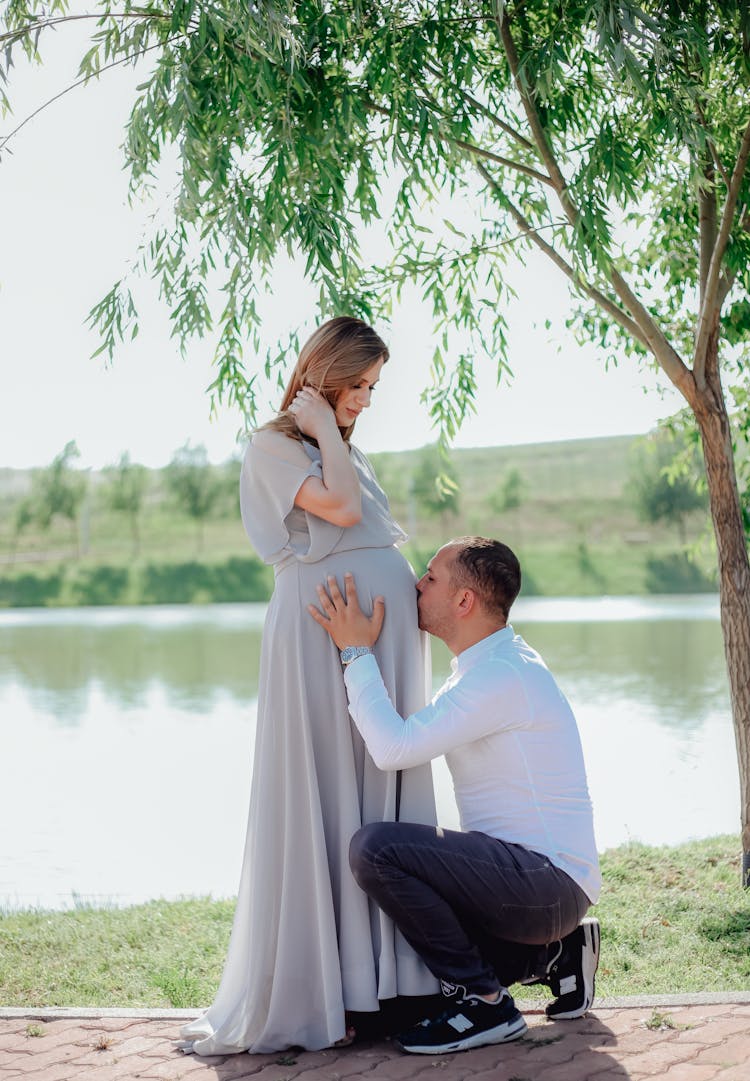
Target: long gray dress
[[306, 943]]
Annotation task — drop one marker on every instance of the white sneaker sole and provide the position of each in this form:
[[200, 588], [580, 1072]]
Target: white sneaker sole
[[509, 1030]]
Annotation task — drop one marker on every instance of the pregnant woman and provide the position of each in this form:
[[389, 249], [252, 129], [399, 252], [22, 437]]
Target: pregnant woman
[[307, 947]]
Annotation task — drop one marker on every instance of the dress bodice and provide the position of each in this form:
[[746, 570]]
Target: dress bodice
[[274, 469]]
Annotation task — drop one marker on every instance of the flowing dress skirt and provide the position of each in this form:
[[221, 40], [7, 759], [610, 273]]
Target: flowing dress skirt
[[306, 942]]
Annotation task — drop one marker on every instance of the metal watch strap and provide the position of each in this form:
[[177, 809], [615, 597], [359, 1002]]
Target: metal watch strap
[[352, 652]]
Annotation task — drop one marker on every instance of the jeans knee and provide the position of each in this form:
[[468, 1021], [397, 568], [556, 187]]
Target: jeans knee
[[364, 847]]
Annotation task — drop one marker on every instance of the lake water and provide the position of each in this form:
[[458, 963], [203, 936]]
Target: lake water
[[127, 737]]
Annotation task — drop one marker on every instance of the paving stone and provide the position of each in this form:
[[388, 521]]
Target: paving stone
[[54, 1056], [51, 1072], [14, 1024], [90, 1058], [731, 1052], [111, 1073], [158, 1030], [59, 1036], [614, 1073], [560, 1048], [285, 1064], [592, 1029], [589, 1064], [426, 1068], [14, 1058], [659, 1059], [690, 1071], [132, 1067], [734, 1073], [502, 1070], [711, 1043], [10, 1040], [617, 1023], [396, 1067], [232, 1069], [718, 1029], [113, 1024], [641, 1039], [138, 1045], [707, 1010]]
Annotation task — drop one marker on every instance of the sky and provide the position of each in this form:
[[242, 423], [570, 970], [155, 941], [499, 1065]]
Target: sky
[[67, 234]]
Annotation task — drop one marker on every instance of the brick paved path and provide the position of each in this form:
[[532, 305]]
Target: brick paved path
[[667, 1039]]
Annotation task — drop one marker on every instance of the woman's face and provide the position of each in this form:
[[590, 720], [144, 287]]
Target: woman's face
[[352, 400]]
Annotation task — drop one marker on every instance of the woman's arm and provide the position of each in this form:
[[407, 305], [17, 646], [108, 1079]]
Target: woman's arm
[[337, 496]]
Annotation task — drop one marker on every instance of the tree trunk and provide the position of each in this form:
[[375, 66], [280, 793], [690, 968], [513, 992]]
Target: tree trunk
[[734, 578]]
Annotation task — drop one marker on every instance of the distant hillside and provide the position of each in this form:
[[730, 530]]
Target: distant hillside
[[566, 507]]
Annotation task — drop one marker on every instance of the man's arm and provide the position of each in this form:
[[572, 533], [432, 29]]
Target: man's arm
[[467, 711]]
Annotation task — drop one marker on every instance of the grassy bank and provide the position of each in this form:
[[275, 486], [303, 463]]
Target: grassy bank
[[673, 920], [550, 569], [73, 584], [572, 520]]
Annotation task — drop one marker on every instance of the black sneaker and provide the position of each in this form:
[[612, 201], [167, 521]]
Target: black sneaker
[[453, 990], [572, 973], [466, 1024]]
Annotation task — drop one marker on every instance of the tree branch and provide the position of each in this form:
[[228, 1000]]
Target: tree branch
[[600, 298], [728, 278], [655, 340], [518, 166], [706, 222], [429, 100], [537, 129], [4, 140], [710, 306], [42, 24], [712, 145], [492, 117]]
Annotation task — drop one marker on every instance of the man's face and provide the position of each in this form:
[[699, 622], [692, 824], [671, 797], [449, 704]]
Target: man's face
[[436, 602]]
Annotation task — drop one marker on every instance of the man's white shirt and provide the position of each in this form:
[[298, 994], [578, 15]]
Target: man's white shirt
[[510, 741]]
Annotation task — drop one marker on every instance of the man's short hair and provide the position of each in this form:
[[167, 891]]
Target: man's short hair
[[491, 569]]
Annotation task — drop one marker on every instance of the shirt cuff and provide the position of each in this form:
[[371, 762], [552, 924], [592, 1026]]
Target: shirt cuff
[[359, 673]]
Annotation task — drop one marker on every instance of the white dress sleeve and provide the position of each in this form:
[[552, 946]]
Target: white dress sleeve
[[273, 471]]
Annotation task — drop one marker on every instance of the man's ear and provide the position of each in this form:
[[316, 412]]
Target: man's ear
[[467, 602]]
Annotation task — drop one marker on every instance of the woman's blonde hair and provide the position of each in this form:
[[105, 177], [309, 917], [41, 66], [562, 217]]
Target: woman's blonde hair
[[332, 358]]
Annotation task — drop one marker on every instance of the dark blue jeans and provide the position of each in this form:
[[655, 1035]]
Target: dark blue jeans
[[479, 912]]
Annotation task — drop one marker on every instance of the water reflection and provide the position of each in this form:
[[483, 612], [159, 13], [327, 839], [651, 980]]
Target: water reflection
[[127, 736], [676, 666], [655, 655], [56, 658]]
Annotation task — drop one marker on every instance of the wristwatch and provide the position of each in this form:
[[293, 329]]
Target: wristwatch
[[352, 652]]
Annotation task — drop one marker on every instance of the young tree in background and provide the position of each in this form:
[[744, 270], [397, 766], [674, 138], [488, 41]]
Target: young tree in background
[[195, 486], [127, 484], [508, 496], [434, 485], [22, 519], [663, 487], [609, 136], [58, 491]]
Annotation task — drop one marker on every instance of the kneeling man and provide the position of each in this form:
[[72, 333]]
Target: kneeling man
[[502, 900]]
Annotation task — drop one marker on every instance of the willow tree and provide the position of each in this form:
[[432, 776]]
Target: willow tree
[[610, 137]]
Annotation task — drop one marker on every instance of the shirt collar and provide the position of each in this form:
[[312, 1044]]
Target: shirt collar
[[481, 649]]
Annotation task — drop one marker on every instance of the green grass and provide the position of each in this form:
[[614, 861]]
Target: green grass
[[576, 532], [673, 920], [157, 954]]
